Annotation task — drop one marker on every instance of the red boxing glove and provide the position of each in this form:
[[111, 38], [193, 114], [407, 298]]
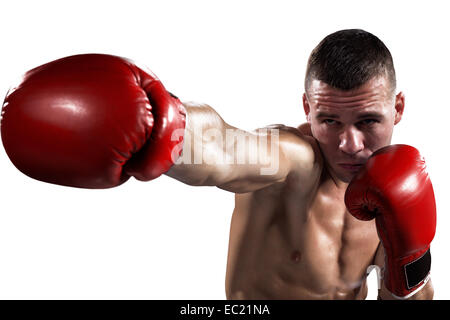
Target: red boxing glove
[[395, 189], [92, 121]]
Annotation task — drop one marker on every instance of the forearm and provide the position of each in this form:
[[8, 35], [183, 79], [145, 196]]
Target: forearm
[[426, 293]]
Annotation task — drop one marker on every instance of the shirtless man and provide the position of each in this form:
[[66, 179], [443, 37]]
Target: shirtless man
[[292, 236]]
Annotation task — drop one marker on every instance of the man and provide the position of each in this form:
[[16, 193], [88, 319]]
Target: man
[[292, 237]]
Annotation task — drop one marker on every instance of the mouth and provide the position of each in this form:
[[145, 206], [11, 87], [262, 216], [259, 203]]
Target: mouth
[[351, 167]]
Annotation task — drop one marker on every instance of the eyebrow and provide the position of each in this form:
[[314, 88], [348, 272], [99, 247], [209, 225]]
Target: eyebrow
[[322, 114], [363, 115], [372, 114]]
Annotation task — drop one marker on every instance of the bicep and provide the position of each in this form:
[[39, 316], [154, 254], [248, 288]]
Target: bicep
[[215, 153], [273, 154]]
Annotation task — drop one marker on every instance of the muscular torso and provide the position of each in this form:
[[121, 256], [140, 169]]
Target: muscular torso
[[291, 236], [286, 243]]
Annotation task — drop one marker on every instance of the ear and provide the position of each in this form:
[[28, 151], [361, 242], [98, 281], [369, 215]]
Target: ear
[[306, 108], [399, 107]]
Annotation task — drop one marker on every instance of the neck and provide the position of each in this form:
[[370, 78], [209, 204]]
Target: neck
[[339, 183]]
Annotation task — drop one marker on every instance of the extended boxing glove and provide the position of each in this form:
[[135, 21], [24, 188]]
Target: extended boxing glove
[[394, 188], [91, 121]]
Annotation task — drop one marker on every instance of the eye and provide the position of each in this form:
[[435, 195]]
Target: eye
[[368, 122], [329, 121]]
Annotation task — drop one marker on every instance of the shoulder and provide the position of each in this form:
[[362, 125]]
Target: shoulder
[[297, 142], [300, 148]]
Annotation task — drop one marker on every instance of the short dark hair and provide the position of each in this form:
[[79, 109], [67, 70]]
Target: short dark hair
[[349, 58]]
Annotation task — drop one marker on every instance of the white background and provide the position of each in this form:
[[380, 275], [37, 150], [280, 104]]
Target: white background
[[163, 239]]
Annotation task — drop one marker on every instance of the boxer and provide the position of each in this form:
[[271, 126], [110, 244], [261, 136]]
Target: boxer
[[315, 206]]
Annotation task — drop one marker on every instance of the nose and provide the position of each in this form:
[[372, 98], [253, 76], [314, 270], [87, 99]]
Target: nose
[[351, 141]]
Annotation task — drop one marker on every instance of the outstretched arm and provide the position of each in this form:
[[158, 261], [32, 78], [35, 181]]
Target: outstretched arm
[[218, 154], [94, 121]]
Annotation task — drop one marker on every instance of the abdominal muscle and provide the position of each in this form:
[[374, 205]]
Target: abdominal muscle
[[280, 248]]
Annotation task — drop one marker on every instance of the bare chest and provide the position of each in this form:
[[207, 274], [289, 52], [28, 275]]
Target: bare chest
[[300, 244], [335, 246]]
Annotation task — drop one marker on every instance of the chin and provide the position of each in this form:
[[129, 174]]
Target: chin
[[347, 179], [345, 176]]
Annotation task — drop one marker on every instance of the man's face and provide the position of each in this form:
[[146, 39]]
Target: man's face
[[350, 125]]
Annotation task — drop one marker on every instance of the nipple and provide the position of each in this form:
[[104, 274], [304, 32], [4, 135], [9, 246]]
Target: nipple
[[295, 256]]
